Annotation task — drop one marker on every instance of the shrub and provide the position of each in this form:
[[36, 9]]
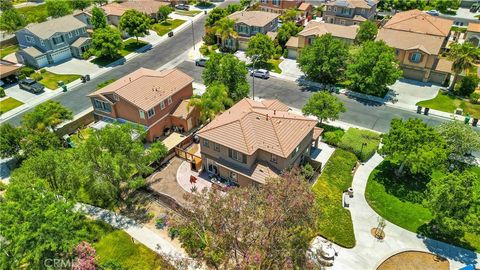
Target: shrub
[[214, 47], [36, 76], [475, 97], [285, 53], [467, 85], [333, 137], [209, 38], [26, 71], [276, 56], [204, 50], [353, 139], [3, 186], [43, 70], [307, 171], [2, 92]]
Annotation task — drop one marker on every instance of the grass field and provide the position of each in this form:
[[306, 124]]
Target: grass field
[[353, 139], [50, 79], [9, 104], [448, 103], [335, 222], [4, 51], [167, 26]]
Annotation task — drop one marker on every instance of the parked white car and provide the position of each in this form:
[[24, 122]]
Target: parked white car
[[260, 73]]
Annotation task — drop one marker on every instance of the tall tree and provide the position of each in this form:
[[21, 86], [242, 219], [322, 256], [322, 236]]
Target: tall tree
[[214, 100], [135, 23], [463, 57], [230, 71], [261, 47], [324, 106], [10, 137], [99, 20], [289, 15], [414, 145], [286, 31], [106, 42], [163, 12], [460, 139], [324, 60], [58, 8], [11, 20], [225, 30], [373, 68], [35, 142], [251, 228], [214, 16], [81, 4], [454, 202], [47, 115], [366, 32], [37, 225]]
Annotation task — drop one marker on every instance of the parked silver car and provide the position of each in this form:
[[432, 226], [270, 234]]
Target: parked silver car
[[260, 73]]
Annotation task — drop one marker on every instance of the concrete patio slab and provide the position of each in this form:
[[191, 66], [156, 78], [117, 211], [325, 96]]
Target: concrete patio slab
[[183, 178], [322, 153]]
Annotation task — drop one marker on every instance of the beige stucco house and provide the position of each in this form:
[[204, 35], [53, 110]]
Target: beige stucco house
[[473, 33], [349, 12]]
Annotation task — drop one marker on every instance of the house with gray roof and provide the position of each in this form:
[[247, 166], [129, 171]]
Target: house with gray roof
[[349, 12], [53, 41]]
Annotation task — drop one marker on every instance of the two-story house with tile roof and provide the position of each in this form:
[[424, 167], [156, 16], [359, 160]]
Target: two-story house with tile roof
[[248, 24], [473, 34], [52, 41], [419, 39], [278, 6], [156, 100], [349, 12], [255, 140]]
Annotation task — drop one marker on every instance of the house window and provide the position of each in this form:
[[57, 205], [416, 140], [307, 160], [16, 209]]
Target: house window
[[42, 43], [416, 57], [334, 9], [29, 39], [142, 114], [102, 106], [329, 8], [216, 147], [169, 100], [276, 2], [116, 97], [273, 158], [205, 143], [342, 22], [233, 175], [397, 51], [237, 156], [295, 151], [151, 112], [162, 105], [57, 40], [70, 34], [264, 1], [77, 32]]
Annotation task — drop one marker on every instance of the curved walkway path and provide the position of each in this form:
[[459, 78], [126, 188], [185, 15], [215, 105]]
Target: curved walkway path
[[368, 252]]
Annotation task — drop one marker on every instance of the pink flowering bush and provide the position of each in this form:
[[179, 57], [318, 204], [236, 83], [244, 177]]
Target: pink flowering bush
[[84, 257]]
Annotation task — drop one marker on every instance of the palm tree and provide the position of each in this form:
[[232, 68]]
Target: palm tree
[[224, 28], [214, 100], [463, 57]]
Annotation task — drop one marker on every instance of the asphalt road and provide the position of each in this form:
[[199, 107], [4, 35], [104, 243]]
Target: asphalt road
[[364, 114]]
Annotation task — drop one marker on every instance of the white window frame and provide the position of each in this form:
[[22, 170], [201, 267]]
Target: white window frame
[[162, 105], [70, 34], [216, 147], [29, 39], [169, 100], [142, 114], [151, 113], [42, 43], [205, 143], [334, 9], [116, 97], [413, 57], [77, 32], [273, 158]]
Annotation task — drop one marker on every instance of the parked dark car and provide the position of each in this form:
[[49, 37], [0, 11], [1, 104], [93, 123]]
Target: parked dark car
[[182, 7], [31, 86], [201, 62]]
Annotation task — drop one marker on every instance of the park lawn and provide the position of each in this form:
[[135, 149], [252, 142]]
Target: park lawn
[[400, 202], [353, 139], [190, 13], [335, 222], [4, 51], [34, 14], [167, 26], [50, 79], [130, 45], [9, 104], [448, 103], [117, 246]]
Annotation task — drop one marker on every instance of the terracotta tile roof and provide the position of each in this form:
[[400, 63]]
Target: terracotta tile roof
[[8, 68], [48, 28], [147, 7], [272, 35], [444, 65], [417, 21], [304, 6], [251, 125], [253, 18], [473, 27], [409, 41], [319, 29], [259, 172], [292, 42], [146, 88], [353, 3], [183, 110], [114, 9], [317, 132]]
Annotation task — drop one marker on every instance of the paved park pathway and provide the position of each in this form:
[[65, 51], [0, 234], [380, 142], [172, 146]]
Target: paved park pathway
[[368, 252]]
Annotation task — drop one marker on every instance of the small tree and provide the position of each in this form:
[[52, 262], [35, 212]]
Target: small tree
[[106, 42], [214, 100], [163, 12], [11, 20], [286, 31], [231, 8], [10, 137], [81, 4], [58, 8], [214, 16], [6, 5], [414, 145], [463, 57], [324, 106], [460, 139], [324, 60], [373, 69], [245, 3], [367, 32], [289, 15], [135, 23], [467, 85], [47, 115], [99, 20], [262, 47], [224, 29]]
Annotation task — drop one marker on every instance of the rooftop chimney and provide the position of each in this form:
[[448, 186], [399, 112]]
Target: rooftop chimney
[[274, 112]]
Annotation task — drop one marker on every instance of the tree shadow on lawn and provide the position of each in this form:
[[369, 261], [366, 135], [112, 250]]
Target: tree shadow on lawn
[[136, 207]]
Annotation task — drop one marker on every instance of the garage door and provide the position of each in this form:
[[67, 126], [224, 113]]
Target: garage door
[[42, 61], [242, 45], [437, 77], [61, 55], [292, 54], [413, 74]]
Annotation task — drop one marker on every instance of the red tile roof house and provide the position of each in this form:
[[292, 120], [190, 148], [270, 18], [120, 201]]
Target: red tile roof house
[[255, 140], [156, 100]]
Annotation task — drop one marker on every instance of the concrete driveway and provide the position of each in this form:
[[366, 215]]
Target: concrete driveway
[[24, 96], [74, 66], [410, 92], [290, 68]]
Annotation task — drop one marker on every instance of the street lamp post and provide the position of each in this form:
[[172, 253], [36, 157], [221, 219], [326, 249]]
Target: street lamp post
[[361, 150], [255, 58], [193, 35]]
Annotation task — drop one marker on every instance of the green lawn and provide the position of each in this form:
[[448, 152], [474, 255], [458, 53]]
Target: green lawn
[[105, 83], [448, 103], [399, 200], [50, 79], [167, 26], [9, 104], [81, 136], [34, 14], [190, 13], [335, 222], [353, 139], [129, 46], [4, 51], [273, 65]]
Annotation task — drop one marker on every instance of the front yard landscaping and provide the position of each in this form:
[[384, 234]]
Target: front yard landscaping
[[34, 14], [448, 103], [273, 65], [129, 46], [166, 26], [190, 13], [50, 80], [353, 140], [4, 51], [335, 222], [9, 104]]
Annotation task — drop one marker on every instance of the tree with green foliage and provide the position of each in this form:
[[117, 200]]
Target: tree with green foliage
[[37, 224], [225, 30], [81, 4], [261, 47], [35, 142], [324, 106], [467, 85], [286, 31], [324, 60], [454, 201], [230, 230], [6, 5], [463, 57], [366, 32], [245, 3], [412, 144], [214, 16], [290, 15], [445, 6], [58, 8], [135, 23], [388, 5], [461, 139], [100, 2], [230, 71], [47, 115], [163, 13], [10, 137], [11, 20], [231, 8], [374, 68], [106, 42], [213, 101], [99, 20]]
